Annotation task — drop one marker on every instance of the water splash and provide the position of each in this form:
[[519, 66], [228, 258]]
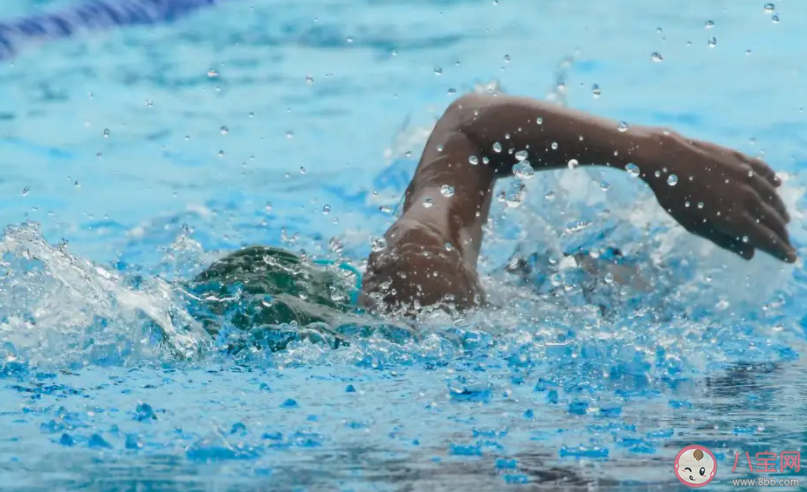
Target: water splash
[[62, 310]]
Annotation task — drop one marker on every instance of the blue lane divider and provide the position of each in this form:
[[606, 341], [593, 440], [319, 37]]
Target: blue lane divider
[[92, 16]]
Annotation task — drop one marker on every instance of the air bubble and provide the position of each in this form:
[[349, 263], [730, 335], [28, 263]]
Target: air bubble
[[712, 42], [438, 71], [745, 239], [212, 73], [224, 130], [775, 18], [474, 160], [656, 57], [573, 164], [709, 24], [447, 191], [289, 134], [596, 91], [522, 155], [428, 202], [309, 80], [700, 205], [497, 147], [106, 132], [25, 191], [622, 126], [554, 146], [769, 8], [632, 169], [539, 121], [326, 210], [672, 180], [485, 160]]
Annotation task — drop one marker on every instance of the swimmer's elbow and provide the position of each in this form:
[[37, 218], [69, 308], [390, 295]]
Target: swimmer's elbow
[[463, 110]]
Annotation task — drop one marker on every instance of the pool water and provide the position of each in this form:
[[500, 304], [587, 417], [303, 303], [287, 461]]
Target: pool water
[[132, 156]]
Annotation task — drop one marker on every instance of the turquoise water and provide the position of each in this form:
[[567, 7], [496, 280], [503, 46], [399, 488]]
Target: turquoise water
[[133, 156]]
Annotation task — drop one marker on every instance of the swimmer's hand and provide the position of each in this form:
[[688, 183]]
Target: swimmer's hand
[[719, 194]]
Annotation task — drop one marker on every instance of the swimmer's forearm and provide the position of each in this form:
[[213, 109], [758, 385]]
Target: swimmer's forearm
[[551, 135]]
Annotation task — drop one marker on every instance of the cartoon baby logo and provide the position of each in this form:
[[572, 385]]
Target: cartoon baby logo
[[695, 466]]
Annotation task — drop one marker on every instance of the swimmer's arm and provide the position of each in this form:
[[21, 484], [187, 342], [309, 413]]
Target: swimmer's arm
[[741, 211]]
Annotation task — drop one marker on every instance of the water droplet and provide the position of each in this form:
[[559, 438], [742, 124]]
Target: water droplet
[[596, 91], [427, 202], [224, 130], [554, 146], [473, 160], [326, 210], [622, 127], [709, 24], [712, 42], [672, 180], [515, 194], [25, 191], [309, 80], [632, 169], [573, 164], [106, 132], [379, 244], [523, 170], [447, 191], [497, 147], [656, 57], [700, 205], [539, 120], [522, 155], [769, 8], [289, 134], [775, 18], [438, 71]]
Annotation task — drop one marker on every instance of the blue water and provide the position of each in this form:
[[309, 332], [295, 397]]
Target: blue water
[[131, 156]]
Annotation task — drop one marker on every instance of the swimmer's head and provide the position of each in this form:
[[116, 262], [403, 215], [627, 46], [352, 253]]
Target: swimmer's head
[[696, 467]]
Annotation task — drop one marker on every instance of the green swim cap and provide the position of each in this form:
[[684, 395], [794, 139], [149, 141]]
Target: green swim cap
[[260, 286]]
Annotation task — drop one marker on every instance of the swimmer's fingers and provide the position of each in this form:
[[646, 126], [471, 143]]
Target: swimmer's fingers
[[767, 193], [760, 169], [732, 244], [769, 234]]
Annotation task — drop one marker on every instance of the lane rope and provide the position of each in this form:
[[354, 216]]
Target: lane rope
[[96, 15]]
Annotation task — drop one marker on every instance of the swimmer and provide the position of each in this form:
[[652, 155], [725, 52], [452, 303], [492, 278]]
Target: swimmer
[[720, 195]]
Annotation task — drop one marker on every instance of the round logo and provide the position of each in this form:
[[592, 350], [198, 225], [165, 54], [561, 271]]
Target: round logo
[[695, 466]]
